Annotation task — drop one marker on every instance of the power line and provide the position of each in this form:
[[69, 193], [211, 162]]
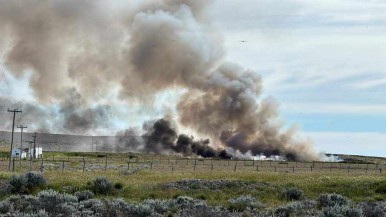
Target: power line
[[13, 129], [22, 127]]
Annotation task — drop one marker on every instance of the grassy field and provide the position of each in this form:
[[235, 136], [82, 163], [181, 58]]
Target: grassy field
[[140, 182]]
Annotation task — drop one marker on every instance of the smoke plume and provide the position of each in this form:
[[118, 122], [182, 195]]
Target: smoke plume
[[78, 53], [161, 136]]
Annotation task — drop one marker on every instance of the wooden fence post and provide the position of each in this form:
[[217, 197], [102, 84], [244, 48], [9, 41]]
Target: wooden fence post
[[84, 165], [106, 164], [257, 167], [62, 165], [128, 165], [235, 167], [42, 165]]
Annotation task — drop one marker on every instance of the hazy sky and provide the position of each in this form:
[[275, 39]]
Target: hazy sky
[[323, 61]]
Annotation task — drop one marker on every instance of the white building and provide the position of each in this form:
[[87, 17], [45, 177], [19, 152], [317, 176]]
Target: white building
[[38, 153], [16, 152]]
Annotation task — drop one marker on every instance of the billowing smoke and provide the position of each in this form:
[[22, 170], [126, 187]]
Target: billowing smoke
[[89, 49], [161, 136]]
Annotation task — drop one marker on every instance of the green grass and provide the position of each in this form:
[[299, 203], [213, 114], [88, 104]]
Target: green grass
[[146, 184]]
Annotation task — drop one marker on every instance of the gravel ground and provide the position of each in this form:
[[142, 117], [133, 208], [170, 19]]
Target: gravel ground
[[200, 184]]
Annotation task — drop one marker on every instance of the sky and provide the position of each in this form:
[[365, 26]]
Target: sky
[[323, 61]]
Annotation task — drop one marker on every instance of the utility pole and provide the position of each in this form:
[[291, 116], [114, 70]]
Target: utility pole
[[34, 148], [13, 129], [22, 127]]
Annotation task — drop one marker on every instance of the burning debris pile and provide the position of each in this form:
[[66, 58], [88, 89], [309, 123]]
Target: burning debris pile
[[90, 49]]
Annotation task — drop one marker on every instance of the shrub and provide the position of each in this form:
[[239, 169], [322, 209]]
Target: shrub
[[159, 206], [84, 195], [101, 185], [26, 183], [375, 209], [243, 202], [35, 180], [23, 203], [40, 213], [182, 202], [143, 211], [52, 201], [5, 207], [341, 211], [18, 183], [326, 200], [299, 208], [292, 193], [381, 188], [203, 211], [92, 205], [118, 185]]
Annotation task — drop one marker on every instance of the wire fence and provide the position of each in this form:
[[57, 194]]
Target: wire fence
[[126, 164]]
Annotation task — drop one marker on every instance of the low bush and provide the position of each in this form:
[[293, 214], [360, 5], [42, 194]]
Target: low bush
[[298, 208], [35, 180], [341, 211], [118, 185], [101, 185], [243, 202], [56, 203], [5, 207], [292, 193], [182, 202], [159, 206], [84, 195], [373, 209], [27, 182], [327, 200], [381, 188], [18, 183]]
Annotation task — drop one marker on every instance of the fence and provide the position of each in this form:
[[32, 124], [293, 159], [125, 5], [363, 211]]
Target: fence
[[125, 163]]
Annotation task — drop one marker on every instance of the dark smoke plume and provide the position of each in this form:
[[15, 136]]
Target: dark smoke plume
[[161, 136], [89, 49]]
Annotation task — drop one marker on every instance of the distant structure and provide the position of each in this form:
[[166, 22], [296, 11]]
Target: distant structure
[[19, 153], [38, 151], [27, 153]]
